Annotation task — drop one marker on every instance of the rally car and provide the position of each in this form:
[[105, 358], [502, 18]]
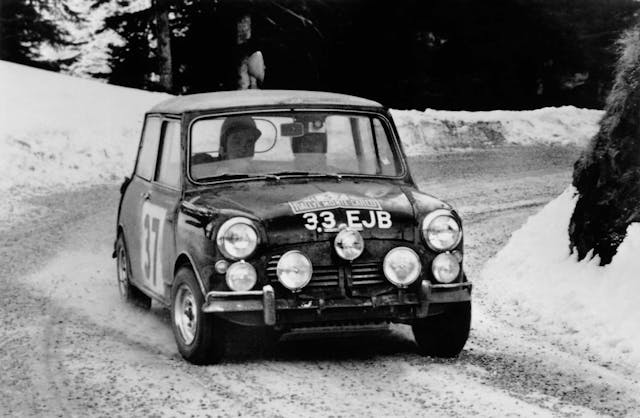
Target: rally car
[[285, 210]]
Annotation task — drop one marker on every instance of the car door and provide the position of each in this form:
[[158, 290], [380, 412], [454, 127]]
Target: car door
[[136, 195], [158, 213]]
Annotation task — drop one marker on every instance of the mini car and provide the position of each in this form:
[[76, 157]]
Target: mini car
[[284, 210]]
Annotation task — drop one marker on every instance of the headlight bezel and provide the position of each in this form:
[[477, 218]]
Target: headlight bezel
[[226, 227], [429, 219]]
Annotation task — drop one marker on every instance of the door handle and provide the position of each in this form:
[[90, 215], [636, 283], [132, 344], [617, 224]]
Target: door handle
[[145, 195]]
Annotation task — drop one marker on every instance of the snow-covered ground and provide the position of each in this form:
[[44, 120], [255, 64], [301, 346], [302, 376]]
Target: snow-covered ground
[[538, 283], [437, 130], [58, 133]]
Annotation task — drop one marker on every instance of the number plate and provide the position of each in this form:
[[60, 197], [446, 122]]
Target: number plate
[[357, 219]]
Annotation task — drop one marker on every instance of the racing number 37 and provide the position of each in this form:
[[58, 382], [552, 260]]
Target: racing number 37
[[152, 226]]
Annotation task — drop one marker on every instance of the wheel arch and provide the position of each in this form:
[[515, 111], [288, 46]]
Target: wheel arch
[[185, 260]]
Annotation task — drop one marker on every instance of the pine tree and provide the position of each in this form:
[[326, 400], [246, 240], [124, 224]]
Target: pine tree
[[27, 24], [607, 176]]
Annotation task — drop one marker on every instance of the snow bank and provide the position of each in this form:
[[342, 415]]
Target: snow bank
[[536, 282], [435, 130], [60, 130]]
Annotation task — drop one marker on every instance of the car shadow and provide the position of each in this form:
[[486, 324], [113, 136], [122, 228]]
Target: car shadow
[[249, 344], [315, 346]]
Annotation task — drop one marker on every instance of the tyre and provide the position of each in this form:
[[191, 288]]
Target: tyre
[[444, 335], [128, 292], [201, 338]]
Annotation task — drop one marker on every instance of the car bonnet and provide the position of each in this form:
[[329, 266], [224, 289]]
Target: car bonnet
[[296, 212]]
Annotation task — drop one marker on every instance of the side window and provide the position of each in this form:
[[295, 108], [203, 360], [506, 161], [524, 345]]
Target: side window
[[168, 170], [387, 159], [149, 150]]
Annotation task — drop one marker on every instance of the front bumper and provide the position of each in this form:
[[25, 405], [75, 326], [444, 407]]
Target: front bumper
[[260, 307]]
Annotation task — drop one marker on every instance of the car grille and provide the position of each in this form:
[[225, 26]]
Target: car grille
[[356, 275], [367, 274]]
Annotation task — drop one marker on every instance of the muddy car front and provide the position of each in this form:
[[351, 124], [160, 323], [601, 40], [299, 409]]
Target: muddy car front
[[351, 253]]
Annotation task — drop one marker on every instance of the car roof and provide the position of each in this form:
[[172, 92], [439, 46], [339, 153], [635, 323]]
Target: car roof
[[257, 98]]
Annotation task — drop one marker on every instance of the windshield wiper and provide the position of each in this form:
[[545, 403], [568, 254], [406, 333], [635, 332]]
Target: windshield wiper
[[227, 176], [269, 176], [305, 173], [234, 176]]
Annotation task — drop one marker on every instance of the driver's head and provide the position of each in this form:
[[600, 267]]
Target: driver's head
[[238, 136]]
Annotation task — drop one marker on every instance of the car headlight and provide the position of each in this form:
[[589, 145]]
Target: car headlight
[[349, 244], [294, 270], [241, 276], [237, 238], [401, 266], [445, 267], [441, 231]]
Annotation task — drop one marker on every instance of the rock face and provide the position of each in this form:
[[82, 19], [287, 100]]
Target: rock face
[[607, 176]]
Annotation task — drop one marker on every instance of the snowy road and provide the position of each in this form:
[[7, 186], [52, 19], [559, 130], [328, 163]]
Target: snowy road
[[68, 347]]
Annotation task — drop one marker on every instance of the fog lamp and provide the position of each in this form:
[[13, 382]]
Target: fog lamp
[[445, 267], [294, 270], [401, 266], [349, 244], [241, 276]]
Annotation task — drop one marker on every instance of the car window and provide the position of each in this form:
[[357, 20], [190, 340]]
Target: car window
[[388, 161], [168, 171], [149, 150], [299, 141]]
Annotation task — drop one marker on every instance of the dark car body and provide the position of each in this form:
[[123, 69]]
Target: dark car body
[[169, 221]]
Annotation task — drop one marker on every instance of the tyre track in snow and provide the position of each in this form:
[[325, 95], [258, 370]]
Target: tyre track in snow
[[106, 359]]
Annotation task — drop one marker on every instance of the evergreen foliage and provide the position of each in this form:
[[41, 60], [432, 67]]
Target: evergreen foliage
[[26, 24], [449, 54], [607, 176]]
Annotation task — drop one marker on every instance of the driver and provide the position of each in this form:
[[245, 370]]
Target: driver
[[238, 136]]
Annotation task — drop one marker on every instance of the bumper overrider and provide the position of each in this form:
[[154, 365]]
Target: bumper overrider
[[261, 307]]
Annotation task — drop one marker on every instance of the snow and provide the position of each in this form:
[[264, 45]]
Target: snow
[[61, 131], [536, 282], [436, 130], [58, 132]]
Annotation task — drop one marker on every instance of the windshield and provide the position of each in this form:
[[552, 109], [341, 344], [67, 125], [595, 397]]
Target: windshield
[[290, 143]]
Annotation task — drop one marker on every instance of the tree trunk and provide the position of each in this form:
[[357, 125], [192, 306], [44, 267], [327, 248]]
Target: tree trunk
[[163, 34]]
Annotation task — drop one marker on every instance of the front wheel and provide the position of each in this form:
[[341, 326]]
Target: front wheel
[[200, 337], [444, 335], [128, 292]]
